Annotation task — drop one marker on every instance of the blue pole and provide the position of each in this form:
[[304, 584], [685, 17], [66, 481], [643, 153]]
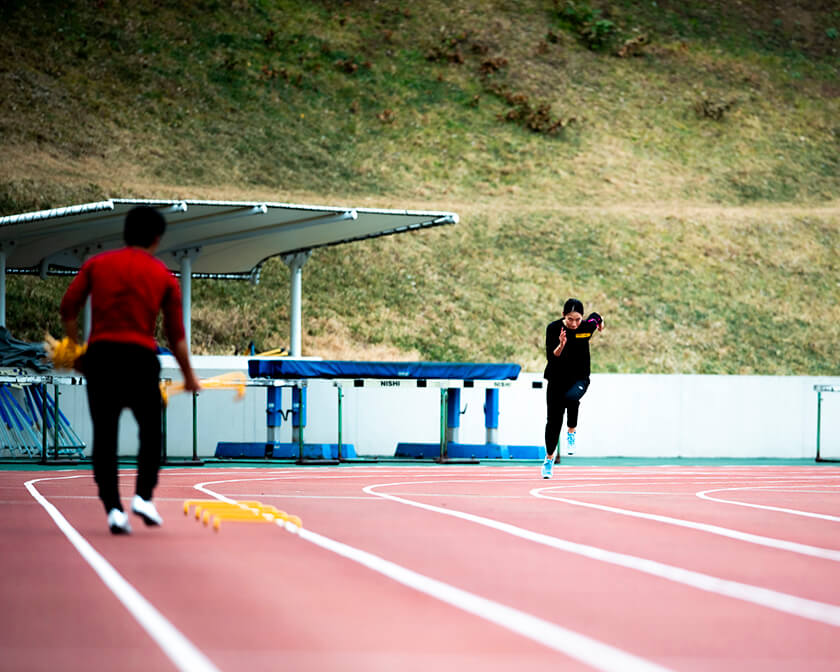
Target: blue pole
[[453, 408], [299, 415], [273, 412], [491, 414]]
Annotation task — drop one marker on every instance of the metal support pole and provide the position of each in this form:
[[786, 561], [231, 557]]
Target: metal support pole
[[195, 426], [295, 263], [295, 317], [443, 402], [2, 288], [819, 406], [186, 298], [340, 395], [55, 421], [43, 423]]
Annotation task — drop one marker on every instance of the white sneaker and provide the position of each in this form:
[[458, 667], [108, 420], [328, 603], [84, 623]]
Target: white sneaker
[[146, 510], [118, 522]]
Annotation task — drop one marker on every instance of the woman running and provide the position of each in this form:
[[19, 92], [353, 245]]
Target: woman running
[[567, 373]]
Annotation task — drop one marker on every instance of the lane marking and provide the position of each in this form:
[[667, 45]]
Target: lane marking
[[765, 597], [183, 653], [599, 473], [590, 651], [795, 512], [795, 547]]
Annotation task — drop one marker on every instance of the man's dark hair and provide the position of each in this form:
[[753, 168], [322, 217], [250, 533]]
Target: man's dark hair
[[142, 225]]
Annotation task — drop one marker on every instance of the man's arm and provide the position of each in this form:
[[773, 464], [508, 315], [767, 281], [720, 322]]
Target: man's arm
[[71, 328], [182, 356], [72, 302], [173, 323]]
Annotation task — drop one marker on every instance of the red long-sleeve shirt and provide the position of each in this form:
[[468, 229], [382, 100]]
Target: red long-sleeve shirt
[[128, 288]]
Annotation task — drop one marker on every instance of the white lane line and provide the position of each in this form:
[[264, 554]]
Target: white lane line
[[421, 471], [287, 495], [765, 597], [589, 651], [804, 549], [365, 498], [796, 512], [183, 654]]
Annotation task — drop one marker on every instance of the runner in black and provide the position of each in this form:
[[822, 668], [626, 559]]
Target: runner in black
[[567, 373]]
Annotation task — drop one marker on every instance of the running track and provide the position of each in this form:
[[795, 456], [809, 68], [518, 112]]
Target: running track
[[430, 568]]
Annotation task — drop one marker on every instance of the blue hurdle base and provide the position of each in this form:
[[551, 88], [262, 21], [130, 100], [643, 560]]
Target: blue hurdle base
[[470, 450], [283, 450]]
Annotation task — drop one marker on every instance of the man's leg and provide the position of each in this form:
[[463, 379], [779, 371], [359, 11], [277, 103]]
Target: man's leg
[[145, 404], [147, 414], [105, 408]]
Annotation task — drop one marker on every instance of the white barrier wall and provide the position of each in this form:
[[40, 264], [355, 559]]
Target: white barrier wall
[[634, 415]]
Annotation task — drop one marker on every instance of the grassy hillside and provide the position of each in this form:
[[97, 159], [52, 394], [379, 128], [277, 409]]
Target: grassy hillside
[[676, 165]]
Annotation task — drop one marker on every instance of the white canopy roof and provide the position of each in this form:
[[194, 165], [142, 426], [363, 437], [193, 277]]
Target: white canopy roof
[[221, 237], [205, 238]]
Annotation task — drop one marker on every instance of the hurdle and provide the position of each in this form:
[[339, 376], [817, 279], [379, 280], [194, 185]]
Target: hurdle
[[41, 413], [820, 390], [449, 378]]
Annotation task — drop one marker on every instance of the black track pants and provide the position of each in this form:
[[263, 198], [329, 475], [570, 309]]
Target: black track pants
[[561, 396], [123, 376]]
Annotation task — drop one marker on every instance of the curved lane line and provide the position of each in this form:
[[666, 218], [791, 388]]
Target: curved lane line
[[765, 597], [183, 653], [804, 549], [589, 651], [808, 514]]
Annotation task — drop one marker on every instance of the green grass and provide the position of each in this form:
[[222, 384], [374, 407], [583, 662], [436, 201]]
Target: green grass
[[708, 243]]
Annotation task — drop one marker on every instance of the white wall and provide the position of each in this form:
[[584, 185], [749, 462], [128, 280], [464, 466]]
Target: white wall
[[621, 414]]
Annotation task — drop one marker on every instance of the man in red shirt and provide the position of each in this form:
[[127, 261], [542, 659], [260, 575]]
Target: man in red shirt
[[128, 288]]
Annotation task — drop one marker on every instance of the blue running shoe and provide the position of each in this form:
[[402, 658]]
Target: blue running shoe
[[570, 443], [547, 467]]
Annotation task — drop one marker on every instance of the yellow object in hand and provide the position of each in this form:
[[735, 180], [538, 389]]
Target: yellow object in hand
[[233, 380], [63, 354]]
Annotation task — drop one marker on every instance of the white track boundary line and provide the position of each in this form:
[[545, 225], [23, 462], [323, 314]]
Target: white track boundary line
[[765, 597], [183, 654], [795, 512], [580, 647], [804, 549]]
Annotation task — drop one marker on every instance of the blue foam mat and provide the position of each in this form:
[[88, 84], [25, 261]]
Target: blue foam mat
[[470, 450], [294, 368], [283, 450]]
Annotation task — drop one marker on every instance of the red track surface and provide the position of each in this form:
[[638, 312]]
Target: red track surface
[[257, 597]]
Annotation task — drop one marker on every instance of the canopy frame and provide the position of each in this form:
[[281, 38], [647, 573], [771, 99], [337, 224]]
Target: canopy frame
[[204, 239]]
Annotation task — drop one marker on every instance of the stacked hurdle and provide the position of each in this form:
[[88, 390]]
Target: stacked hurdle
[[23, 424], [19, 433], [211, 512]]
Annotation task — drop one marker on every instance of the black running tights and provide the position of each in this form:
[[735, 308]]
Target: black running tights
[[560, 397]]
